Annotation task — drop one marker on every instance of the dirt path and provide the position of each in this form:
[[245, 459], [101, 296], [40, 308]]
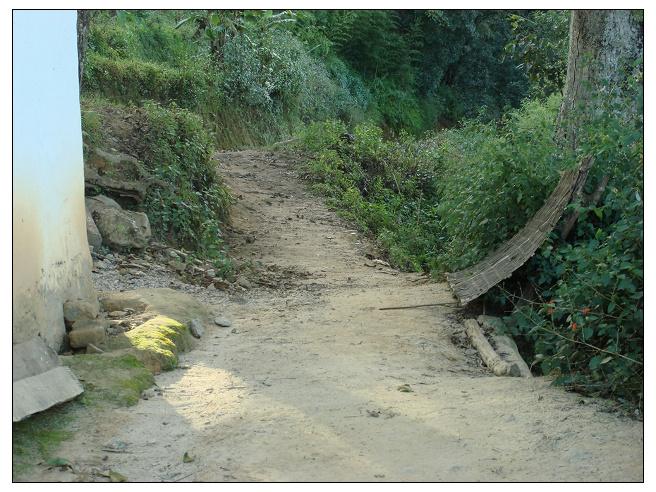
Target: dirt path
[[305, 384]]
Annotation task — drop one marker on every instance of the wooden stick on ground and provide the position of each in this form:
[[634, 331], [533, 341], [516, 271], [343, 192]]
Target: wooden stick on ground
[[452, 304], [491, 359]]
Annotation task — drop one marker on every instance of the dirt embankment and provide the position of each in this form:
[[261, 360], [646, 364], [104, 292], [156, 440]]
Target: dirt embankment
[[313, 382]]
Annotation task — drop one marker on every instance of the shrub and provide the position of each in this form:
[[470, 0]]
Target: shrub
[[187, 202], [587, 327], [273, 72], [178, 151], [496, 176], [131, 80]]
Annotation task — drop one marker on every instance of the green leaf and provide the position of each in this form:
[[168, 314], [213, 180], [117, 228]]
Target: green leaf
[[587, 332], [594, 362], [215, 19]]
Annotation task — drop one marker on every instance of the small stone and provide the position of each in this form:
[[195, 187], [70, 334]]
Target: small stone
[[116, 314], [211, 287], [79, 309], [211, 273], [85, 332], [242, 282], [178, 265], [92, 349], [148, 394], [173, 254], [221, 285], [221, 321], [196, 328]]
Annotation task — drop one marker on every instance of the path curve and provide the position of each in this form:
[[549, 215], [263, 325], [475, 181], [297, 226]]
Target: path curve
[[305, 385]]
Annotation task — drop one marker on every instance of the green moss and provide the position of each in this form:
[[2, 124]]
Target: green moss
[[160, 340], [37, 438], [114, 379], [107, 378]]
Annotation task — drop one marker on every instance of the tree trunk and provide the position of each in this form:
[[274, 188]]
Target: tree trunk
[[83, 18], [603, 45]]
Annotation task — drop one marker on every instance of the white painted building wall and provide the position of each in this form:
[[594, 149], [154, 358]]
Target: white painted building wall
[[51, 260]]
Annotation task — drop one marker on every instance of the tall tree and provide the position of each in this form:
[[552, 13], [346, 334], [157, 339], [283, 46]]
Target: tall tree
[[83, 18], [603, 46]]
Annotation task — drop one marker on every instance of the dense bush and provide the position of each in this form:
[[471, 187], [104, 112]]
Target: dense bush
[[497, 175], [264, 84], [187, 202], [132, 80], [274, 73], [178, 150], [587, 325]]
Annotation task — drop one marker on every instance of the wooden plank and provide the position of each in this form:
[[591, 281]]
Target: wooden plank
[[470, 283]]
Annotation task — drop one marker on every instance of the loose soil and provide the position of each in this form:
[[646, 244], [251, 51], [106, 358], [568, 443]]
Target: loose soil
[[312, 382]]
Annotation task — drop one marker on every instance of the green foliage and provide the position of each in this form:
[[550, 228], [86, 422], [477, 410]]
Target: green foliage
[[383, 186], [496, 177], [588, 327], [133, 80], [250, 79], [539, 43], [462, 65], [440, 203], [189, 201]]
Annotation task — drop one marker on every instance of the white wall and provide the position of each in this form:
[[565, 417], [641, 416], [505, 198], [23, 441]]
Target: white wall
[[51, 261]]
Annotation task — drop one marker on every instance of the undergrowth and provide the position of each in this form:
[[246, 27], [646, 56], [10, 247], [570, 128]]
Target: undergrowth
[[187, 201], [442, 202]]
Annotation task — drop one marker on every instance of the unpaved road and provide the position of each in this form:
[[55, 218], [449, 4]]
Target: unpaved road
[[305, 384]]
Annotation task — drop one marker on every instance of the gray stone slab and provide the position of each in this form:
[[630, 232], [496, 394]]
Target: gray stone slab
[[31, 358], [37, 393]]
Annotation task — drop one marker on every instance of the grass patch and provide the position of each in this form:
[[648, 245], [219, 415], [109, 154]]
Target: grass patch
[[118, 380], [36, 439], [107, 379]]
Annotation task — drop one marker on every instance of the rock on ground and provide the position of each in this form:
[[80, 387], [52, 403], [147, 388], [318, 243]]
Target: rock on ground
[[39, 381], [87, 332], [123, 229], [196, 328], [221, 321], [93, 234], [78, 309]]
